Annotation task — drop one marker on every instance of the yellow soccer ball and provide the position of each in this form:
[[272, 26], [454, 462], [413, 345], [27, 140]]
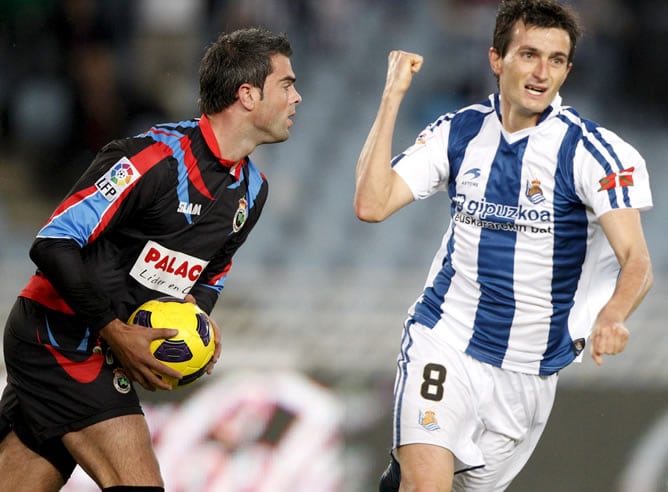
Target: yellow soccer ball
[[191, 349]]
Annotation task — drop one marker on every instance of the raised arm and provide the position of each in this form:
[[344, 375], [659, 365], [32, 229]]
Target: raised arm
[[379, 191], [624, 231]]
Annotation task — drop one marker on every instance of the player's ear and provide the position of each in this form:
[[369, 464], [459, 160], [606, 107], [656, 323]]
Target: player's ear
[[247, 96], [495, 60]]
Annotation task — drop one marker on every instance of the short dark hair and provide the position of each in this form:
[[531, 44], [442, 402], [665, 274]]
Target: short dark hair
[[534, 13], [236, 58]]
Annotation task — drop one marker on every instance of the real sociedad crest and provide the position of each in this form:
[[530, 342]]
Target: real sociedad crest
[[428, 420], [534, 192], [240, 215]]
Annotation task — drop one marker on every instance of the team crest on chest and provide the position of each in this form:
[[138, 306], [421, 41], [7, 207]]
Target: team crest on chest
[[240, 215], [534, 192]]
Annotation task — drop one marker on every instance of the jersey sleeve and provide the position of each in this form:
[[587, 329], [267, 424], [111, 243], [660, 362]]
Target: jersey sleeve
[[60, 261], [107, 194], [424, 165], [610, 173]]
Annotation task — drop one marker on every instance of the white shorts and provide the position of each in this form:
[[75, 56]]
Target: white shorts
[[491, 419]]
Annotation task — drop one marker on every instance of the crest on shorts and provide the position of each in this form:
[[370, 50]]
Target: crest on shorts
[[240, 215], [428, 420], [121, 382]]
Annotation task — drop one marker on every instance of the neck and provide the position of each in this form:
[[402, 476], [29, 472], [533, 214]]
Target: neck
[[514, 122], [233, 138]]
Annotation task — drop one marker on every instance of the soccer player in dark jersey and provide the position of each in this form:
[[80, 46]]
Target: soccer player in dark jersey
[[158, 214]]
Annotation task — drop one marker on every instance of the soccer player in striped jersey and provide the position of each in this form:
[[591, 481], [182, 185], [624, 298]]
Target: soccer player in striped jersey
[[544, 254], [158, 214]]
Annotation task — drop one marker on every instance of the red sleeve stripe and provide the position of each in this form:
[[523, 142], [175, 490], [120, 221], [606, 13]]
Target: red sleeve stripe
[[218, 279], [143, 162]]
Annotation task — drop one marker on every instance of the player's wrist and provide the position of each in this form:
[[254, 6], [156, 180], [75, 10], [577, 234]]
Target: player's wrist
[[110, 327]]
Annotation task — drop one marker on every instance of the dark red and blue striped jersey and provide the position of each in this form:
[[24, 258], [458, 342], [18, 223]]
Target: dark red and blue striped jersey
[[161, 213]]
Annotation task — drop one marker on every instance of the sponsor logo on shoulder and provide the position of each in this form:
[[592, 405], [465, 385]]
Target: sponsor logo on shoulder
[[116, 179]]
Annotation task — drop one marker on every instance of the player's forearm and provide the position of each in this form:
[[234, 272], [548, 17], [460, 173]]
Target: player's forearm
[[60, 261], [634, 282], [374, 176]]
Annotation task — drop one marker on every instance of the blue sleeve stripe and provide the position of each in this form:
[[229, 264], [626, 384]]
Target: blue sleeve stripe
[[612, 194], [79, 221], [596, 134], [218, 287]]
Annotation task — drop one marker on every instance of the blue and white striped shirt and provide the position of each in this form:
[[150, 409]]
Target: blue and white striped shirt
[[524, 267]]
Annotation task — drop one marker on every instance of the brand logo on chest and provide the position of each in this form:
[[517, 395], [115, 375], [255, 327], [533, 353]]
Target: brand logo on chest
[[189, 208], [167, 271]]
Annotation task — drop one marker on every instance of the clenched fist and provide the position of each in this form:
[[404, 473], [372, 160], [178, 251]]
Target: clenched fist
[[401, 66]]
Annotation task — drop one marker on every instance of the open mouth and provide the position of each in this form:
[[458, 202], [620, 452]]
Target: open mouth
[[535, 90]]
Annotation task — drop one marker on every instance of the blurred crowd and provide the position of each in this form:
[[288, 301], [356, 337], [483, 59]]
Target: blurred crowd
[[76, 73]]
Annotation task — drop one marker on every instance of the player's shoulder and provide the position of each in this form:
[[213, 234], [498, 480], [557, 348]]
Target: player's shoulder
[[176, 129], [476, 110], [593, 142], [465, 116], [157, 143], [165, 133], [590, 130], [485, 106]]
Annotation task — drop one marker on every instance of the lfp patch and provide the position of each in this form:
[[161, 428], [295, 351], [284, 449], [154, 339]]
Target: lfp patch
[[114, 181]]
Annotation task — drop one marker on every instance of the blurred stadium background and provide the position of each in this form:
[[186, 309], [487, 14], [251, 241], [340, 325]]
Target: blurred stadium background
[[312, 311]]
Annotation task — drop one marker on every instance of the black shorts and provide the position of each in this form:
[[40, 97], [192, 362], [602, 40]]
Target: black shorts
[[59, 380]]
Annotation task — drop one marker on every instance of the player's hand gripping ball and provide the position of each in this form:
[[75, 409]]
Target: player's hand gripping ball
[[190, 351]]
